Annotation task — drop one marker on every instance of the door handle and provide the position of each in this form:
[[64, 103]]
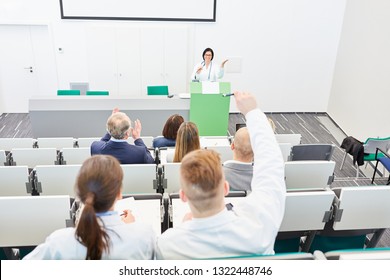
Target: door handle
[[29, 68]]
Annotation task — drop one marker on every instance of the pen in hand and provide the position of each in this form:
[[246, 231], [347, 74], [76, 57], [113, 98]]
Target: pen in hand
[[227, 94]]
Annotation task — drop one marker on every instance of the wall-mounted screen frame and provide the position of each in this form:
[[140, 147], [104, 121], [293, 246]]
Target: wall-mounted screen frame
[[145, 10]]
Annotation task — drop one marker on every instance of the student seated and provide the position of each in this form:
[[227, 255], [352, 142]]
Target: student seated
[[210, 230], [100, 233], [239, 171], [114, 142], [169, 133], [187, 140]]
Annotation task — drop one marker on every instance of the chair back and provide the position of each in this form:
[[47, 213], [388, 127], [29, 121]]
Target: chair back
[[14, 181], [7, 144], [305, 211], [225, 152], [157, 90], [3, 158], [56, 179], [32, 156], [312, 152], [139, 178], [209, 141], [55, 142], [372, 143], [285, 148], [94, 92], [293, 139], [74, 155], [359, 254], [363, 208], [86, 142], [45, 215], [68, 92], [308, 175], [171, 172]]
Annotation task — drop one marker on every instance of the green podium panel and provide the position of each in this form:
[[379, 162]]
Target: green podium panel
[[210, 112]]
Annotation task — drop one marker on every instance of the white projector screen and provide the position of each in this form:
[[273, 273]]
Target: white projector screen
[[147, 10]]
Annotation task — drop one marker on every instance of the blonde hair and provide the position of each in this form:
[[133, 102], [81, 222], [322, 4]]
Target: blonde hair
[[202, 178], [187, 140]]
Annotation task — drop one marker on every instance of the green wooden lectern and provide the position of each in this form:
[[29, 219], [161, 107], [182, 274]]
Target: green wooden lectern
[[210, 111]]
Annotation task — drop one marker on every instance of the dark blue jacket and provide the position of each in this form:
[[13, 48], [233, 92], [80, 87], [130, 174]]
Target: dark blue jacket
[[163, 142], [126, 153]]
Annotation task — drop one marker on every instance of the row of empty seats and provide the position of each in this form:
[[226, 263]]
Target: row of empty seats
[[78, 92], [7, 144], [144, 178], [346, 212], [32, 157]]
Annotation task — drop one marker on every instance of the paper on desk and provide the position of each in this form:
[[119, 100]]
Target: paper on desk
[[126, 204], [210, 88]]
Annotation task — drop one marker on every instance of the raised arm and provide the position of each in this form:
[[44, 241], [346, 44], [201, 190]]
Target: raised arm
[[268, 186]]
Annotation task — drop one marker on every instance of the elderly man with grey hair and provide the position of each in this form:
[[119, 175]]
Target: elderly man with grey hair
[[115, 141], [239, 171]]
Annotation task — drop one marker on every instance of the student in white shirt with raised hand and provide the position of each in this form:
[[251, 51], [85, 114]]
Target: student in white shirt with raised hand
[[101, 232], [211, 230]]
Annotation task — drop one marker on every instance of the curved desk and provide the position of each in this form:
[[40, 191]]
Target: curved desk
[[86, 116]]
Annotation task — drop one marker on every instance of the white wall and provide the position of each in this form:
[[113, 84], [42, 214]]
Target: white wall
[[287, 48], [359, 101]]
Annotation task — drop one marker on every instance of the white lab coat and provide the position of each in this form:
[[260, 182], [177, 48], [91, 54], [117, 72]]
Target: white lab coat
[[251, 227], [211, 74], [128, 241]]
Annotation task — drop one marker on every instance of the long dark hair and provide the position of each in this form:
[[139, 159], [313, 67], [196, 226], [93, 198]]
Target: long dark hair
[[98, 184]]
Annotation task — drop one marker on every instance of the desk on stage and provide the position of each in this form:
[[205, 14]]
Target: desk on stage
[[86, 116]]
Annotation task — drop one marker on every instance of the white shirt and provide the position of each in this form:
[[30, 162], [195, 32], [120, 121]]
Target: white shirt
[[128, 241], [211, 73], [251, 227]]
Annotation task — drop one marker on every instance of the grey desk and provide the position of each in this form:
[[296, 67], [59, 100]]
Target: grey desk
[[86, 116]]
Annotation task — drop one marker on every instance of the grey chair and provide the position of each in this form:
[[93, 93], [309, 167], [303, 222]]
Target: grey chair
[[360, 218], [312, 152]]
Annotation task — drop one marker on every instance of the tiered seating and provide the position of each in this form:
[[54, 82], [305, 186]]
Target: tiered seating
[[308, 175], [15, 181], [305, 214], [308, 214], [74, 155], [293, 139], [33, 156], [56, 179], [85, 142], [359, 254], [139, 178], [29, 220], [357, 212], [3, 158], [55, 142], [7, 144]]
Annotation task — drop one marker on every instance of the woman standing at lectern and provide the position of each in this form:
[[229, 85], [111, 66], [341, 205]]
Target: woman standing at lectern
[[207, 70]]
